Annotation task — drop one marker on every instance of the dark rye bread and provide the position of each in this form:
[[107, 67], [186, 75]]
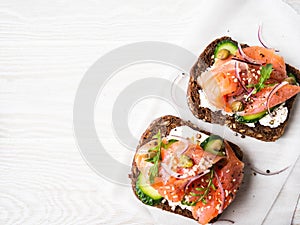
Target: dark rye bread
[[260, 132], [165, 124]]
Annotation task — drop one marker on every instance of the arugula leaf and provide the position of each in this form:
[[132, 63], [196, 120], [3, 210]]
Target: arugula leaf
[[265, 73], [156, 152], [155, 159], [153, 172]]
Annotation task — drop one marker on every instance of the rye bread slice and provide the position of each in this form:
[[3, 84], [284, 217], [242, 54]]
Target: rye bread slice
[[260, 132], [165, 124]]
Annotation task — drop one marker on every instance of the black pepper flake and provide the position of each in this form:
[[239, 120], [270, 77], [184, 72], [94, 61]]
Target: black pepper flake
[[243, 136], [268, 171]]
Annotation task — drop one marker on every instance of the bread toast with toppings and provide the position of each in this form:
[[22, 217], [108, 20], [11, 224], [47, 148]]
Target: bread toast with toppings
[[163, 197], [262, 132]]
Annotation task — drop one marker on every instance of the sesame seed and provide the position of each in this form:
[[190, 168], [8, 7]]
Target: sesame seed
[[253, 70], [209, 197], [233, 180], [234, 190], [226, 193], [258, 72], [227, 171], [172, 188], [201, 209], [235, 80], [227, 73], [165, 192], [218, 207], [208, 207]]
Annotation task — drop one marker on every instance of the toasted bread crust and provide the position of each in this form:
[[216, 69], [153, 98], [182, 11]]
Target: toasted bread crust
[[165, 124], [260, 132]]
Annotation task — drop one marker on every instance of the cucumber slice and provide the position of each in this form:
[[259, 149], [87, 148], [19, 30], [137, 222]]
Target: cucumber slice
[[146, 193], [228, 45], [251, 118], [214, 144]]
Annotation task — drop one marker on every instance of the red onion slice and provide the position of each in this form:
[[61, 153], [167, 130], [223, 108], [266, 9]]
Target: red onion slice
[[242, 53], [260, 37], [248, 96], [237, 73], [182, 139], [172, 173], [259, 34], [222, 193], [274, 90], [247, 62], [195, 178]]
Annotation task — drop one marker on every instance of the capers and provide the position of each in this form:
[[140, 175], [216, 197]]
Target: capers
[[237, 106], [290, 80], [223, 54], [151, 154], [185, 161]]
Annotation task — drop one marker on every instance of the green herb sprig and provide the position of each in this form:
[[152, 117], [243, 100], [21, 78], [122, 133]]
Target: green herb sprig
[[156, 155], [204, 191], [265, 73]]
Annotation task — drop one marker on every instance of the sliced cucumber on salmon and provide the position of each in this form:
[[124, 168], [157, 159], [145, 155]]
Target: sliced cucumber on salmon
[[214, 144], [251, 118], [146, 193], [227, 45]]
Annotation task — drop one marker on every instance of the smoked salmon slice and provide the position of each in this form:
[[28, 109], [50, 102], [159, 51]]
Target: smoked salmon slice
[[260, 99]]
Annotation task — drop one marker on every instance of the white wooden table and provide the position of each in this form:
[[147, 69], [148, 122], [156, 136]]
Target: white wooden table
[[46, 47]]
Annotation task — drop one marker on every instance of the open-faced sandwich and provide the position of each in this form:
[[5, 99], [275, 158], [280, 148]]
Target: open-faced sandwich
[[185, 170], [248, 88]]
